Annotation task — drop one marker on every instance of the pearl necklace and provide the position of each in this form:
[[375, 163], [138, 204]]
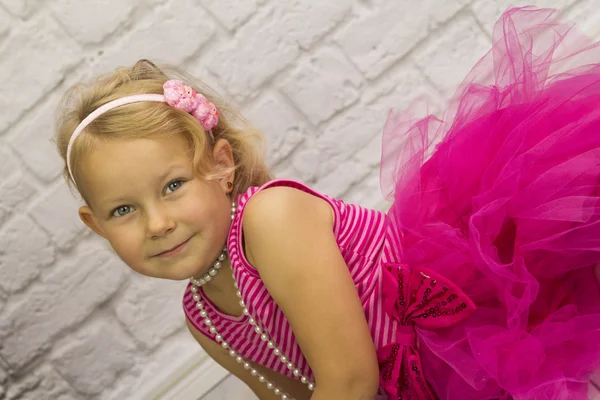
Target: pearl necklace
[[196, 283]]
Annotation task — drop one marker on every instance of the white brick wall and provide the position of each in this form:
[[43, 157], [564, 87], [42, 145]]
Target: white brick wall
[[316, 76]]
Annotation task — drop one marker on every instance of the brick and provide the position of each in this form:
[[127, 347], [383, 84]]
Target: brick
[[585, 14], [4, 23], [23, 81], [16, 190], [75, 17], [151, 309], [488, 11], [57, 213], [447, 59], [358, 125], [25, 250], [22, 8], [377, 39], [31, 139], [9, 164], [323, 84], [44, 383], [77, 285], [92, 358], [269, 42], [170, 34], [231, 13], [340, 180], [280, 124]]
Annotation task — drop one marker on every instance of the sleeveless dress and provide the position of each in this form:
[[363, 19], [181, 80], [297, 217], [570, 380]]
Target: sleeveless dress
[[479, 282]]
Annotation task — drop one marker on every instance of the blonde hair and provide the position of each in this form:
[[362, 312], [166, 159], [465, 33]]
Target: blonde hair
[[147, 119]]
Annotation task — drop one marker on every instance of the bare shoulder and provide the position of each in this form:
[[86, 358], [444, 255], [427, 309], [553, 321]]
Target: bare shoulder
[[283, 207]]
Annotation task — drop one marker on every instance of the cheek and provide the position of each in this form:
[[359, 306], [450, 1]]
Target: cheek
[[127, 244]]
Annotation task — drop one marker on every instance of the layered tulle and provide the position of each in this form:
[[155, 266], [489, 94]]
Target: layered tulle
[[502, 197]]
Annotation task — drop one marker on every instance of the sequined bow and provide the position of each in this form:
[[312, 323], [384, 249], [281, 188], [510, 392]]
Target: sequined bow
[[415, 298]]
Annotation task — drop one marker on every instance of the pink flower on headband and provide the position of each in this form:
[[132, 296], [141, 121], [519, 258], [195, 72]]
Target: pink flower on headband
[[183, 97]]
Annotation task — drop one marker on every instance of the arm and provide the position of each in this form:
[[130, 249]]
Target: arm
[[290, 240]]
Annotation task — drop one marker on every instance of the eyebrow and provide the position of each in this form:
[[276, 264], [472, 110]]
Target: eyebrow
[[123, 199]]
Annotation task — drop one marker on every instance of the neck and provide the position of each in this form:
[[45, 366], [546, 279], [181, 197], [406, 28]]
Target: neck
[[223, 281]]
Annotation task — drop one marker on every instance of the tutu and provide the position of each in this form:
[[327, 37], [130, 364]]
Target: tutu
[[502, 198]]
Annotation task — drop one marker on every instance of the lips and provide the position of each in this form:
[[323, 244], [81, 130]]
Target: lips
[[172, 250]]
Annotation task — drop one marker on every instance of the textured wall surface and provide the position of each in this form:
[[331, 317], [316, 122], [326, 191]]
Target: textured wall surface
[[317, 76]]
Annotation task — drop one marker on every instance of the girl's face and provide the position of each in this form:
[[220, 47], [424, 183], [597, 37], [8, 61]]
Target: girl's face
[[147, 201]]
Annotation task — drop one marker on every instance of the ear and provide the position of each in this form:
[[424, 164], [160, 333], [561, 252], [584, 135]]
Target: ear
[[87, 216], [223, 156]]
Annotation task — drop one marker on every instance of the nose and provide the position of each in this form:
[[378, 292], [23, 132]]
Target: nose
[[159, 223]]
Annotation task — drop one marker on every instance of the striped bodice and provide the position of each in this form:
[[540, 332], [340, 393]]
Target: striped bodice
[[363, 239]]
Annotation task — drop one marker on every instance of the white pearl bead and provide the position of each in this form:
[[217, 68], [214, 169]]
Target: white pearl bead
[[207, 278], [284, 397], [225, 345], [264, 337], [239, 359], [311, 386], [199, 306], [277, 391], [247, 365], [239, 294], [203, 314], [283, 359], [270, 385], [213, 329], [196, 297], [304, 380], [232, 353], [222, 256], [297, 372], [277, 352], [218, 338], [270, 344], [251, 321], [258, 330], [217, 264], [213, 272], [208, 322], [246, 312], [290, 365], [261, 379], [253, 372], [194, 289]]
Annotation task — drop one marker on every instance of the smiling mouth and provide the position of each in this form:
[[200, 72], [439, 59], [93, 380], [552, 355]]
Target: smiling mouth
[[172, 250]]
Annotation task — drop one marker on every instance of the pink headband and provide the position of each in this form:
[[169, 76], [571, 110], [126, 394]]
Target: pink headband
[[176, 94]]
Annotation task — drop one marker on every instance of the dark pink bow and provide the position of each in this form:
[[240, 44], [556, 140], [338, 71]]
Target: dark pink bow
[[415, 297]]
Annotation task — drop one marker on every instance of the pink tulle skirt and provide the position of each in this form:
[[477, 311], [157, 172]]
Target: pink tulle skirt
[[502, 197]]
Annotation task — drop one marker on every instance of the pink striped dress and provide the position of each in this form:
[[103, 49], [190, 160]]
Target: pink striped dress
[[361, 236]]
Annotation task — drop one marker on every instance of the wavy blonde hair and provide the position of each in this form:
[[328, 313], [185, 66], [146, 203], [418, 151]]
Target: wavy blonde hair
[[151, 119]]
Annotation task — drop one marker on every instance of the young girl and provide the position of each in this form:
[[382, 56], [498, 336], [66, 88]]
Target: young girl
[[479, 283]]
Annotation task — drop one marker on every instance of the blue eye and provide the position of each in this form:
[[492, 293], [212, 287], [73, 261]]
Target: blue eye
[[173, 186], [121, 211]]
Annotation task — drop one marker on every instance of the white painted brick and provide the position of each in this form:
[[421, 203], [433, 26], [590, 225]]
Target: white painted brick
[[22, 81], [339, 181], [585, 14], [362, 122], [323, 84], [269, 42], [57, 214], [92, 358], [9, 163], [230, 13], [280, 124], [171, 34], [71, 292], [307, 161], [376, 40], [44, 383], [22, 8], [151, 309], [448, 59], [488, 11], [31, 139], [108, 15], [25, 250], [16, 190], [4, 23]]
